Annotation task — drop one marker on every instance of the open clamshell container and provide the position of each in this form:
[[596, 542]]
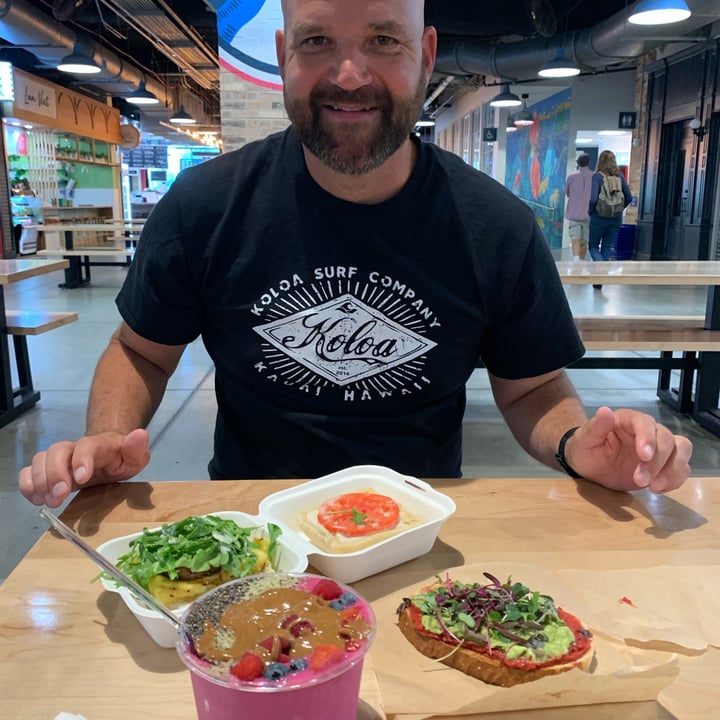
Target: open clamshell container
[[430, 508], [292, 557]]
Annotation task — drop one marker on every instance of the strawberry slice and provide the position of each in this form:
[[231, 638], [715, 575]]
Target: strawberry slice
[[324, 656], [327, 589], [248, 667]]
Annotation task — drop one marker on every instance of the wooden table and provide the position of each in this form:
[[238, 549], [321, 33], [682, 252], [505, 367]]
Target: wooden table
[[66, 645], [14, 401], [124, 234], [703, 380]]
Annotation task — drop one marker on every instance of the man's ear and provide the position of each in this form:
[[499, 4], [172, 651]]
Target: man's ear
[[429, 49], [280, 51]]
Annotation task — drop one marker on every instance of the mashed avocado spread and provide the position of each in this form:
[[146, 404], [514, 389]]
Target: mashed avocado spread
[[503, 616]]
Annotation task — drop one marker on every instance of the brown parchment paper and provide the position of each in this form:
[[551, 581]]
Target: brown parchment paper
[[411, 684], [695, 693]]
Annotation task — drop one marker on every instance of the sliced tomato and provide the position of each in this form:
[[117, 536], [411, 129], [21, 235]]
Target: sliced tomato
[[359, 513]]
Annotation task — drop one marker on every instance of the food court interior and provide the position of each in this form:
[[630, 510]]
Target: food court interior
[[650, 95]]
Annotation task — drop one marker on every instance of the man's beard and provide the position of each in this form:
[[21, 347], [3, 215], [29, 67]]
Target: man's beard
[[352, 149]]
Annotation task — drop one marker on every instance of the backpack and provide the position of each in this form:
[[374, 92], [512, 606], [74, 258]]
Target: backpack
[[611, 201]]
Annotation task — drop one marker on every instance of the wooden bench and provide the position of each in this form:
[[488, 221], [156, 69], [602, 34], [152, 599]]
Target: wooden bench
[[647, 333], [82, 258], [20, 324], [31, 322], [632, 335]]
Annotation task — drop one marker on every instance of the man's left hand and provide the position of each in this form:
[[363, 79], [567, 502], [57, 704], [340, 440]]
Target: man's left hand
[[627, 450]]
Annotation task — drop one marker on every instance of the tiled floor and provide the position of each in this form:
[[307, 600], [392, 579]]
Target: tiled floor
[[63, 361]]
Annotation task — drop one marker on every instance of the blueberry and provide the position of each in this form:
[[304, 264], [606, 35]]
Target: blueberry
[[298, 664], [276, 671], [345, 600]]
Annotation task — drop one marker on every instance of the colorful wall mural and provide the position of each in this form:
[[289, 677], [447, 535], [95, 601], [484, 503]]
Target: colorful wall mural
[[537, 157]]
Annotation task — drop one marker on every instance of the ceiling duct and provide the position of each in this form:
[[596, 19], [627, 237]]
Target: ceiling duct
[[610, 43], [49, 41]]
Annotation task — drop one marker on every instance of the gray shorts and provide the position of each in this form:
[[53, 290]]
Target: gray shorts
[[579, 230]]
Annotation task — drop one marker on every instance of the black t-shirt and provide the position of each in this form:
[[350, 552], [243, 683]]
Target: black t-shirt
[[341, 333]]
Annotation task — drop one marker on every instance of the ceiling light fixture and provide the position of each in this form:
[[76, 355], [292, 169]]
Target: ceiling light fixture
[[510, 127], [524, 117], [78, 63], [142, 96], [659, 12], [181, 117], [506, 98], [559, 67], [425, 120]]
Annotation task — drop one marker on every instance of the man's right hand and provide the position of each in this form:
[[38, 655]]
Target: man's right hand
[[92, 460]]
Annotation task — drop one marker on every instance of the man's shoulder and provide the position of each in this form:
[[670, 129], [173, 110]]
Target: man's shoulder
[[241, 160]]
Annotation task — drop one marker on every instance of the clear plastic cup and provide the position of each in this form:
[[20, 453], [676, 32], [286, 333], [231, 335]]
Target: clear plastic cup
[[331, 694]]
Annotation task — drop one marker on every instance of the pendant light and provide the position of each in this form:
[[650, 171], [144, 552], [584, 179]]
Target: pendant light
[[142, 96], [78, 63], [425, 120], [506, 98], [524, 117], [182, 117], [511, 127], [559, 67], [659, 12]]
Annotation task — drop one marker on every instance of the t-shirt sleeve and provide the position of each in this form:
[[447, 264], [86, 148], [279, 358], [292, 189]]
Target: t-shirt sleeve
[[535, 333], [158, 299]]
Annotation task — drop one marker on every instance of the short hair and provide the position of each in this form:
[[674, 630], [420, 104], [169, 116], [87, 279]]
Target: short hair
[[583, 160]]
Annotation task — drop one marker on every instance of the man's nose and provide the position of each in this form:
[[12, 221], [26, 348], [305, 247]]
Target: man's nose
[[351, 71]]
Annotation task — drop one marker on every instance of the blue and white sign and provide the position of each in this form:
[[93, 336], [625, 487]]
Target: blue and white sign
[[246, 39]]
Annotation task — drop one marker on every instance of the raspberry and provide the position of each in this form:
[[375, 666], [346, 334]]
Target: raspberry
[[327, 590], [325, 655], [248, 667], [301, 627]]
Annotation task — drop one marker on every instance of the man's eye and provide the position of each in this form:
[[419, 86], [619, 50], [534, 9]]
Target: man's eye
[[385, 41], [315, 41]]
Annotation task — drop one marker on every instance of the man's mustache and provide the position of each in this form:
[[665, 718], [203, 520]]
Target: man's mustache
[[365, 97]]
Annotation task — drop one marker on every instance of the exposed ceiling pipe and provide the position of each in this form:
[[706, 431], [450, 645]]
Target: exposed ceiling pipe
[[24, 26], [610, 42]]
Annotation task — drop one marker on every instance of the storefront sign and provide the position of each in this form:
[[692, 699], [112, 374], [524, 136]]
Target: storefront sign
[[34, 97], [246, 39], [7, 90]]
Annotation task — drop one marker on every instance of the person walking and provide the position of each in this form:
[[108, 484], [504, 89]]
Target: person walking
[[603, 229], [577, 188]]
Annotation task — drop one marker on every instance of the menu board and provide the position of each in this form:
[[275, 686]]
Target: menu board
[[146, 156]]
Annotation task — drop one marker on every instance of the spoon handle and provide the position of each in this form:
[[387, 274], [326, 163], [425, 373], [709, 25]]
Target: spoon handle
[[109, 568]]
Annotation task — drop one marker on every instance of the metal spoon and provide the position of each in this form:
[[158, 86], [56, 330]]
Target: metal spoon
[[118, 575]]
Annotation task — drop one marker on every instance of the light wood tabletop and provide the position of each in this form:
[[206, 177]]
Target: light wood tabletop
[[15, 270], [67, 645], [640, 272]]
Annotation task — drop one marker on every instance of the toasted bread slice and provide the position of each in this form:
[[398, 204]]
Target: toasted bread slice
[[489, 669]]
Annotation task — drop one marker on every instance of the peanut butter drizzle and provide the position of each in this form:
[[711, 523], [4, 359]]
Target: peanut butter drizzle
[[244, 624]]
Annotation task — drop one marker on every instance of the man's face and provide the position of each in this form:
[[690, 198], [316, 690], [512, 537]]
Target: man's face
[[354, 76]]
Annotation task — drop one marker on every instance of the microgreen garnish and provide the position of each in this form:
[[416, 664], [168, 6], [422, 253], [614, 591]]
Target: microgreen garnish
[[358, 517], [492, 614], [198, 543]]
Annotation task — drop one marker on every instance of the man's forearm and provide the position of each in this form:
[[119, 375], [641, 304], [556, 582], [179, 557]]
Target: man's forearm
[[126, 391], [539, 417]]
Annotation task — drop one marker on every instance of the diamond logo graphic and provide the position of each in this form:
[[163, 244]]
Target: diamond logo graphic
[[344, 340]]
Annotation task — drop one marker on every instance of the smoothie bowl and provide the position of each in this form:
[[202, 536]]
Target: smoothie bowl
[[277, 645]]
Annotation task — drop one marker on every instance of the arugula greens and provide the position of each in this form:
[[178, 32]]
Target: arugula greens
[[199, 543]]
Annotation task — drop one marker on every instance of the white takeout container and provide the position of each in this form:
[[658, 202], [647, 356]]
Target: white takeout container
[[292, 558], [433, 508], [419, 498]]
